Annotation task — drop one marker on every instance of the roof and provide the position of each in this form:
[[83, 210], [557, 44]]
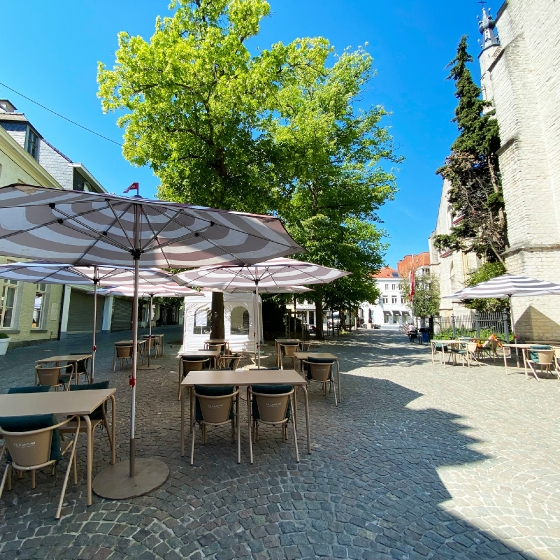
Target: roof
[[387, 272]]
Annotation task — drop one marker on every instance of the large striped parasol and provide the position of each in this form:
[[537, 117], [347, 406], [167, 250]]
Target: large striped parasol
[[506, 286], [46, 272], [83, 228], [277, 274]]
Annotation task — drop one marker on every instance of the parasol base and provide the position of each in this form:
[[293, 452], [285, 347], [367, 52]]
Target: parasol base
[[151, 366], [115, 483]]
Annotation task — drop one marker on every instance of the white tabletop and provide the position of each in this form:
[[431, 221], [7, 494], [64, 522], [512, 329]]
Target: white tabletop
[[198, 353], [55, 402], [65, 358], [325, 355], [244, 377]]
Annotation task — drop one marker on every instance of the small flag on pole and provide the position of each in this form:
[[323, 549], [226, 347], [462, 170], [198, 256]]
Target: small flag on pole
[[134, 186], [412, 283]]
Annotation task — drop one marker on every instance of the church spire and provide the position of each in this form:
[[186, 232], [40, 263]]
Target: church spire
[[486, 27]]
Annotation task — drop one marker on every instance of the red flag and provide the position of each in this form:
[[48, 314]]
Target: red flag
[[412, 284], [134, 186]]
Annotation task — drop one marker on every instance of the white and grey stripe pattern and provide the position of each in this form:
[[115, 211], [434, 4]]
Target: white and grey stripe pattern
[[168, 289], [84, 228], [274, 273], [508, 285], [56, 273]]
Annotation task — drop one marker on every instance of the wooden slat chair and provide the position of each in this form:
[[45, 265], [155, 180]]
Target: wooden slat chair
[[34, 442], [272, 405], [50, 376], [186, 365], [320, 371], [98, 417], [214, 407]]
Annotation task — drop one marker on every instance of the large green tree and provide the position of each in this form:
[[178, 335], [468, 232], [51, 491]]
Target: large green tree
[[472, 169], [197, 104], [337, 177]]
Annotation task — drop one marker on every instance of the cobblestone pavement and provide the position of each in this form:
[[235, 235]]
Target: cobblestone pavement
[[418, 461]]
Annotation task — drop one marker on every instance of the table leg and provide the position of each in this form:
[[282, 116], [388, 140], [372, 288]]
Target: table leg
[[114, 429], [238, 419], [523, 353], [505, 358], [249, 424], [89, 458], [182, 421], [307, 419], [338, 376]]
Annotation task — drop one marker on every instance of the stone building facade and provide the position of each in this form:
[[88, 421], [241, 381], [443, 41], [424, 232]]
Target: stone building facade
[[520, 75]]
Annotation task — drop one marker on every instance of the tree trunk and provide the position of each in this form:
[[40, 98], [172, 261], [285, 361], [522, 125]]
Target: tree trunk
[[218, 327], [319, 334]]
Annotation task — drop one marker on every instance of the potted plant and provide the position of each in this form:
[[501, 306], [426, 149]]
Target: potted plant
[[4, 341]]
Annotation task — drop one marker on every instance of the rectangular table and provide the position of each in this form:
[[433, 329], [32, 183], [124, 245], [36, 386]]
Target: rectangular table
[[70, 358], [242, 378], [158, 343], [64, 403], [325, 355], [199, 355], [443, 343], [524, 348]]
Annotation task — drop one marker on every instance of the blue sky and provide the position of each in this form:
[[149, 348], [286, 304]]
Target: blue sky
[[50, 54]]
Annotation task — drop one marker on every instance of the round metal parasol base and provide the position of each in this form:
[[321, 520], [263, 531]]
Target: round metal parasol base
[[151, 366], [115, 483]]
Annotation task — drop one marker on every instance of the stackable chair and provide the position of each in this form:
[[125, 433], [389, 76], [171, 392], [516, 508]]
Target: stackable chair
[[34, 442], [98, 417], [541, 356], [288, 350], [50, 376], [122, 352], [229, 361], [214, 406], [81, 369], [320, 370], [468, 352], [272, 405], [186, 365]]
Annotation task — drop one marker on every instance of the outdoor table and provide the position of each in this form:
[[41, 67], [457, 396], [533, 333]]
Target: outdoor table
[[444, 343], [524, 348], [217, 341], [70, 358], [242, 378], [64, 403], [305, 355], [278, 342], [199, 355]]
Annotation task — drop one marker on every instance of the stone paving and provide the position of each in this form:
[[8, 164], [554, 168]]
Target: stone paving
[[418, 461]]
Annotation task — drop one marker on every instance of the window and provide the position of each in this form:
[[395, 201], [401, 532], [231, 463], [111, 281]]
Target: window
[[386, 317], [202, 321], [239, 321], [32, 143], [8, 292], [394, 287], [385, 299], [386, 286], [402, 299], [393, 299], [39, 306]]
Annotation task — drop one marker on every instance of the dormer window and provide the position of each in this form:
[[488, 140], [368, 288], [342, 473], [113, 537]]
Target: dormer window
[[32, 143]]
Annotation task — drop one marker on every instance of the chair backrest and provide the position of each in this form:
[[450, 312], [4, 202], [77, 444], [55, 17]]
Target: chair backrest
[[231, 362], [49, 376], [124, 351], [97, 414], [304, 346], [193, 365], [272, 408], [32, 389], [533, 351], [290, 349], [81, 366], [545, 357], [557, 353], [320, 372], [31, 440], [471, 347], [214, 404]]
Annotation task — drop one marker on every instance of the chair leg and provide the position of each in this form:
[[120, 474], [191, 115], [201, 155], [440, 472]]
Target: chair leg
[[295, 432], [533, 370], [67, 475], [192, 444], [335, 399], [6, 471]]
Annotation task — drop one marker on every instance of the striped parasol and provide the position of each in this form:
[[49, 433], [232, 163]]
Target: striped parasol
[[275, 274], [84, 228]]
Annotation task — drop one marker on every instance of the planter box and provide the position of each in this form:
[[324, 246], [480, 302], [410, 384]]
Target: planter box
[[4, 345]]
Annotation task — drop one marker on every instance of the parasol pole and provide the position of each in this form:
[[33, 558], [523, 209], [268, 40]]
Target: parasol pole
[[257, 322], [136, 257], [94, 343], [150, 331]]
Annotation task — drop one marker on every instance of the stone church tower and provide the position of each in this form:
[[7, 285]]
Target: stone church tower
[[521, 76]]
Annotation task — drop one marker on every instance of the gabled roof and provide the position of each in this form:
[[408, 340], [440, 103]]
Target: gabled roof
[[387, 272]]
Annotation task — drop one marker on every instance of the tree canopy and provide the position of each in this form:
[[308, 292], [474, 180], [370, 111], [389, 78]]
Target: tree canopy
[[472, 169], [275, 132]]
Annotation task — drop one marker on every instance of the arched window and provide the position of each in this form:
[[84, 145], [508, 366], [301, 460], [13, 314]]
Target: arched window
[[240, 321]]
